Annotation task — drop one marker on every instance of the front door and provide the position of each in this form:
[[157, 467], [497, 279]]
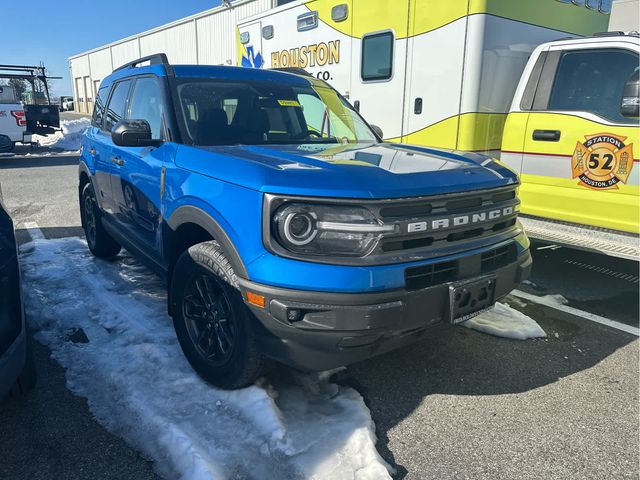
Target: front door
[[579, 149], [137, 183], [378, 61]]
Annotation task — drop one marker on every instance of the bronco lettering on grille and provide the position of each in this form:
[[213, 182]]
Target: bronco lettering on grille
[[449, 222]]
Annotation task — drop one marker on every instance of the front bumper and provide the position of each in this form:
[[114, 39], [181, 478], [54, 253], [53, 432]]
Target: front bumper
[[319, 330]]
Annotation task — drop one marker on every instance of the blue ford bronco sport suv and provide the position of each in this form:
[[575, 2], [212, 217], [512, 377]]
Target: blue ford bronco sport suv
[[285, 227]]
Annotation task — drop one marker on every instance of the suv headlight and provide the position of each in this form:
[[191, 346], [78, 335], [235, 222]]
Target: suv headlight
[[328, 230]]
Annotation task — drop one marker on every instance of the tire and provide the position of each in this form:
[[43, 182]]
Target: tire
[[210, 316], [100, 243], [6, 145]]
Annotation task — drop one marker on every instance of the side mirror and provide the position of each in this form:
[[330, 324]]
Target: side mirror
[[630, 104], [133, 133], [378, 131]]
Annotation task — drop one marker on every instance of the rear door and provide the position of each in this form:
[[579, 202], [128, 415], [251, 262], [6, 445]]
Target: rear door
[[378, 62], [579, 150]]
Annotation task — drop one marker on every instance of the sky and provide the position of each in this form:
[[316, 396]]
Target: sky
[[50, 32]]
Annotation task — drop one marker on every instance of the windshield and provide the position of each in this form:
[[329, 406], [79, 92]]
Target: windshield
[[258, 113]]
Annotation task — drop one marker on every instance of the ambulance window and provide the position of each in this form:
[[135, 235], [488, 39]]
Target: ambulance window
[[377, 57], [592, 81]]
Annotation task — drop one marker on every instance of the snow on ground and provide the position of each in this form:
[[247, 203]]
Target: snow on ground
[[504, 321], [69, 139], [106, 323]]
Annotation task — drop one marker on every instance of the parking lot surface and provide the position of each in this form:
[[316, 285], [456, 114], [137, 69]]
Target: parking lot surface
[[458, 404]]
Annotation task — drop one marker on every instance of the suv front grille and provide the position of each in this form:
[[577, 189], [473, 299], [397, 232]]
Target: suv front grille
[[497, 258], [468, 216], [417, 278]]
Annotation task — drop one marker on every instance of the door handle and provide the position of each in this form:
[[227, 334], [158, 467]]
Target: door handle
[[546, 135], [118, 161], [417, 106]]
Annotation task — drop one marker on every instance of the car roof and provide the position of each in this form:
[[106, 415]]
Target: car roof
[[214, 71]]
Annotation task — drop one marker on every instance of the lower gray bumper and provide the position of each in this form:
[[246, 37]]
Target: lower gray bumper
[[320, 331]]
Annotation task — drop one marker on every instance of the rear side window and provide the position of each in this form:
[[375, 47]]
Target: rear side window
[[146, 104], [377, 57], [592, 81], [117, 104], [98, 109]]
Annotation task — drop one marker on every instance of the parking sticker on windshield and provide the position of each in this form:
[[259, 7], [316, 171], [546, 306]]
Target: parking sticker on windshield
[[289, 103], [602, 161]]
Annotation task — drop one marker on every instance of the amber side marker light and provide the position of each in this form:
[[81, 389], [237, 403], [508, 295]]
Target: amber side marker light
[[255, 299]]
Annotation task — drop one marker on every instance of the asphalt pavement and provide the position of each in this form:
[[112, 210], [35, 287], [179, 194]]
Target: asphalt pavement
[[458, 404]]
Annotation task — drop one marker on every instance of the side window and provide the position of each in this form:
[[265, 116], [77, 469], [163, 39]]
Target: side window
[[98, 109], [377, 57], [314, 112], [326, 123], [117, 104], [592, 81], [146, 104]]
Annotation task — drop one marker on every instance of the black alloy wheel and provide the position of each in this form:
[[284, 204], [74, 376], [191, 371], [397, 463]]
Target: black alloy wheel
[[90, 220], [209, 318]]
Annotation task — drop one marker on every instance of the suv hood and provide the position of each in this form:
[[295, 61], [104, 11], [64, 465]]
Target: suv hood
[[382, 170]]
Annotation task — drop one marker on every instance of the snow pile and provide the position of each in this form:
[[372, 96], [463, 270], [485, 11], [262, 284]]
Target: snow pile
[[69, 139], [556, 299], [106, 323], [504, 321]]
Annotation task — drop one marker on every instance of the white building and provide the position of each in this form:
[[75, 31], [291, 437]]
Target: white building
[[625, 16], [205, 38]]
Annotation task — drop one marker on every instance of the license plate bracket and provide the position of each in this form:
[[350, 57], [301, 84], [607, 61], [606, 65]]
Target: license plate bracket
[[470, 298]]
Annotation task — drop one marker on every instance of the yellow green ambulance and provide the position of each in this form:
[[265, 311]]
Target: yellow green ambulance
[[522, 80]]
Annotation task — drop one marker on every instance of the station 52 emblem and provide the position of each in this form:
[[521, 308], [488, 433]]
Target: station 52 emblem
[[602, 161]]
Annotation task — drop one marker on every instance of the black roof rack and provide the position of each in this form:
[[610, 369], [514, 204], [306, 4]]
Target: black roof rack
[[616, 34], [155, 59], [609, 34], [30, 73], [296, 70]]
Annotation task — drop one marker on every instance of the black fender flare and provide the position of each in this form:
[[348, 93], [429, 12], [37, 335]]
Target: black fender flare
[[197, 216]]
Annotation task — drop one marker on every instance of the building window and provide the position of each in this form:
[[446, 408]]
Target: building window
[[377, 57], [592, 81]]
